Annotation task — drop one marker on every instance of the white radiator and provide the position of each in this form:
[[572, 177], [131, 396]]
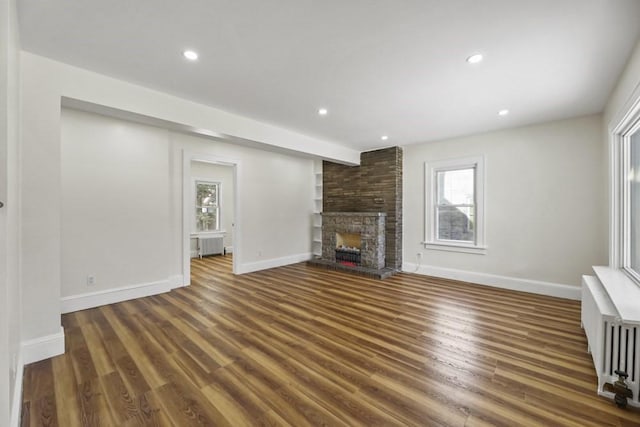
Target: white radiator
[[613, 344], [210, 245]]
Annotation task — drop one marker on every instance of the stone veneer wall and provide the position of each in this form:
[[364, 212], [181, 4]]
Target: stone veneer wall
[[370, 227], [374, 186]]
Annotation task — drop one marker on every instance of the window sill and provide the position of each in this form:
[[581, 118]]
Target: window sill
[[208, 233], [452, 247], [623, 292]]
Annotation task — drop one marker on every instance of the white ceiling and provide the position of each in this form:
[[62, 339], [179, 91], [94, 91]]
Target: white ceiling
[[381, 67]]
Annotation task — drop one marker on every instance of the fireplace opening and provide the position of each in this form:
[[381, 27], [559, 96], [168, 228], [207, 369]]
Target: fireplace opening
[[348, 249]]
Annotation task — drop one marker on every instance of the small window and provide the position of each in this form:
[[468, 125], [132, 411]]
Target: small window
[[207, 206], [455, 205]]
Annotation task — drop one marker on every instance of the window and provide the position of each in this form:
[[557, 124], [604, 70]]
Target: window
[[207, 206], [626, 144], [455, 205], [634, 202]]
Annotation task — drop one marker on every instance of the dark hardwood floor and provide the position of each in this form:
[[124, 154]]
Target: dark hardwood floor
[[298, 345]]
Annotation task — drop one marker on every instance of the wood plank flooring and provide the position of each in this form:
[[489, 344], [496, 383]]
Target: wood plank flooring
[[298, 346]]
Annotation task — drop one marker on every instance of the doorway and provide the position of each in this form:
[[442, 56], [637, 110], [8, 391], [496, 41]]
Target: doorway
[[210, 209]]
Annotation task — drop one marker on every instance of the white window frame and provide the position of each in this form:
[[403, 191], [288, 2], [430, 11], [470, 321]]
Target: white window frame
[[194, 220], [620, 140], [431, 169]]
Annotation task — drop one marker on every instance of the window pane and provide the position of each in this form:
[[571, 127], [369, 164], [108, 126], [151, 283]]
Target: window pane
[[456, 187], [206, 194], [634, 202], [456, 223], [207, 219]]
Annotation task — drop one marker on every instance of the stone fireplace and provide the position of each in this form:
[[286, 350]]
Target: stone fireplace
[[354, 239], [373, 186]]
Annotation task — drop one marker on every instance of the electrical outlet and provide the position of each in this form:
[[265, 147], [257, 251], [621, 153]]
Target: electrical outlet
[[419, 255], [91, 280]]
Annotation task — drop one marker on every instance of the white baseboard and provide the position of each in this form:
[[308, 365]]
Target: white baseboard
[[111, 296], [194, 254], [504, 282], [228, 249], [16, 406], [42, 348], [272, 263], [176, 281]]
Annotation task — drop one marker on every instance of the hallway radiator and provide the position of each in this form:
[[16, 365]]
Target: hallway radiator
[[210, 245], [613, 345]]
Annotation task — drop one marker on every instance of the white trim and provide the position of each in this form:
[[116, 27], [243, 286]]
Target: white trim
[[228, 249], [478, 163], [504, 282], [220, 232], [176, 281], [615, 200], [274, 262], [42, 348], [194, 226], [16, 407], [452, 247], [111, 296], [187, 158], [617, 179]]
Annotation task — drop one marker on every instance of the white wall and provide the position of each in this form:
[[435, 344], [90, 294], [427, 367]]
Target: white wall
[[544, 198], [122, 201], [44, 84], [39, 174], [223, 175], [115, 203], [10, 304], [275, 202]]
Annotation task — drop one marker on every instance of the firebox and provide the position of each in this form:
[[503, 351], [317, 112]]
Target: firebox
[[348, 246], [361, 232]]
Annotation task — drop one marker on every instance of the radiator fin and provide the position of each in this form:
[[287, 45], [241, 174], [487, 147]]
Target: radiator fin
[[634, 346], [621, 350], [609, 354]]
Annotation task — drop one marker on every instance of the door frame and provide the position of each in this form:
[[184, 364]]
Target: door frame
[[187, 158]]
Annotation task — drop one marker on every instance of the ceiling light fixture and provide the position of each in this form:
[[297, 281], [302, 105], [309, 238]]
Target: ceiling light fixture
[[503, 112], [322, 111], [190, 55], [475, 58], [384, 137]]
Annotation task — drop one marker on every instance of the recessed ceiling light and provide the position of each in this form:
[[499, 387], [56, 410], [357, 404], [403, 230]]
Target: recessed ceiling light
[[503, 112], [322, 111], [475, 58], [384, 137], [190, 55]]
